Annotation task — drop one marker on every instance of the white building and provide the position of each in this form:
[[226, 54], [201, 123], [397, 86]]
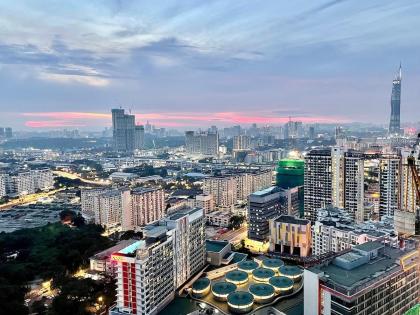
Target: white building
[[202, 201], [230, 189], [336, 230], [148, 205], [3, 180], [241, 142], [204, 143], [218, 218], [389, 181], [150, 270]]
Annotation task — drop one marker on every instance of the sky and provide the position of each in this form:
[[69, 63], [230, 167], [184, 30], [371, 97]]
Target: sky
[[65, 64]]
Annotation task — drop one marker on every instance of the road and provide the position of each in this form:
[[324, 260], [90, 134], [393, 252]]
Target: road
[[75, 176], [32, 198], [234, 236]]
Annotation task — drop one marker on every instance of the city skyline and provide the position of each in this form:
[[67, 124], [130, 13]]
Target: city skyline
[[180, 65]]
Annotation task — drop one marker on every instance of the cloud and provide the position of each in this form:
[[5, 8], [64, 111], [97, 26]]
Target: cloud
[[169, 119]]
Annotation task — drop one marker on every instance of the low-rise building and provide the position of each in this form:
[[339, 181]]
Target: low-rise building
[[290, 235], [334, 230], [218, 218]]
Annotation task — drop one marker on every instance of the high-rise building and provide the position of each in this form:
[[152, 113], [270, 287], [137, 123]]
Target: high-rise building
[[3, 183], [241, 142], [290, 235], [148, 205], [290, 179], [354, 184], [317, 182], [205, 143], [230, 189], [114, 208], [389, 177], [189, 245], [139, 137], [123, 130], [150, 270], [394, 123], [145, 273], [202, 201], [263, 205], [370, 279]]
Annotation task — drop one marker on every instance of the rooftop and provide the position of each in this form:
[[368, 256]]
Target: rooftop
[[215, 246], [201, 284], [240, 298], [261, 289], [291, 219], [365, 270], [265, 192], [281, 282], [223, 287]]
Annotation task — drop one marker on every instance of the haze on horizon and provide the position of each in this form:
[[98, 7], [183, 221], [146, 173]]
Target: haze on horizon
[[199, 63]]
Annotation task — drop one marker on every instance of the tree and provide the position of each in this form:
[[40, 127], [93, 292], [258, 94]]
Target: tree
[[236, 221]]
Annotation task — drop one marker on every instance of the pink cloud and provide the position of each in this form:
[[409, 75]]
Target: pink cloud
[[51, 124], [170, 119]]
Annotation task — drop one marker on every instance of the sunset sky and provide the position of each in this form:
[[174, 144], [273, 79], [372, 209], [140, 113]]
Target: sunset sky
[[65, 64]]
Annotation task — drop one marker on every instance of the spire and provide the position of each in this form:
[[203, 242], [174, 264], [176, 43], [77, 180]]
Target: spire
[[399, 76]]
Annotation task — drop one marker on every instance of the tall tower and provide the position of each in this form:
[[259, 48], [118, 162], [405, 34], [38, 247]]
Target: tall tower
[[123, 130], [394, 123]]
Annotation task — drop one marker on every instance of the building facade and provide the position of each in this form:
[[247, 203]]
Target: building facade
[[394, 122], [317, 182], [389, 182], [263, 205], [148, 205], [290, 235]]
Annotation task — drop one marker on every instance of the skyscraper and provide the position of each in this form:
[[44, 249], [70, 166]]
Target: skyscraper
[[123, 130], [317, 182], [394, 123]]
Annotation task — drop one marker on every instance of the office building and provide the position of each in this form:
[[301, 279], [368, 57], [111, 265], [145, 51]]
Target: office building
[[317, 182], [148, 205], [394, 122], [389, 182], [336, 230], [370, 279], [290, 235], [290, 179], [202, 143], [263, 205]]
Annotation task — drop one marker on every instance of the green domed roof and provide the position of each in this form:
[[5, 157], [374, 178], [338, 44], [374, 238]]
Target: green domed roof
[[201, 284], [240, 298], [261, 289], [281, 282], [223, 288]]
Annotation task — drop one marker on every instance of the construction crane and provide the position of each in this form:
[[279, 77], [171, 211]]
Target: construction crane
[[411, 162]]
